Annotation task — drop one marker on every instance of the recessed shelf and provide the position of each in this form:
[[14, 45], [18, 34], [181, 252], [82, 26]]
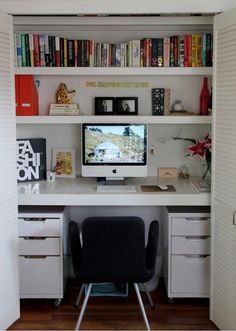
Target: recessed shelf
[[106, 119]]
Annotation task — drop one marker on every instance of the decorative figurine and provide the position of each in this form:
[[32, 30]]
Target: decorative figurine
[[63, 95]]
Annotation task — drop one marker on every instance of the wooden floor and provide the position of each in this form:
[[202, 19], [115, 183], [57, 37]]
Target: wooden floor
[[113, 313]]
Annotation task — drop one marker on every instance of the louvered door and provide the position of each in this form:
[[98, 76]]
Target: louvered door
[[9, 302], [223, 276]]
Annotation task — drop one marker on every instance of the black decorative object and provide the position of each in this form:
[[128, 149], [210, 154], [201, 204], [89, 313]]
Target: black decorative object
[[31, 159], [158, 101]]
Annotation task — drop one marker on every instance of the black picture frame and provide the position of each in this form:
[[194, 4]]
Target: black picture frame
[[127, 106], [105, 105]]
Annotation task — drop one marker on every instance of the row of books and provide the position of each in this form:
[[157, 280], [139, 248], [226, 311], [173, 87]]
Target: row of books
[[34, 50]]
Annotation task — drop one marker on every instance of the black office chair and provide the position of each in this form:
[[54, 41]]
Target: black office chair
[[113, 250]]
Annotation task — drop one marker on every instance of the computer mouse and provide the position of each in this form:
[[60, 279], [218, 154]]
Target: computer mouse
[[162, 187]]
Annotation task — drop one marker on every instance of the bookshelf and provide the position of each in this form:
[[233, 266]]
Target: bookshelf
[[185, 82]]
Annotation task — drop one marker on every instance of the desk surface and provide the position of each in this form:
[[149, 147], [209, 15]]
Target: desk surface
[[82, 192]]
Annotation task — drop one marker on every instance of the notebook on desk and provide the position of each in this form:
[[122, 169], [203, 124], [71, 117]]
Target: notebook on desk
[[202, 186]]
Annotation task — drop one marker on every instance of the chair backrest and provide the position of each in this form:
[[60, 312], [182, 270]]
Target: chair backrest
[[113, 249]]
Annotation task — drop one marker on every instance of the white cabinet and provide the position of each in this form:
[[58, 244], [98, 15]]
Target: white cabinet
[[186, 244], [42, 252]]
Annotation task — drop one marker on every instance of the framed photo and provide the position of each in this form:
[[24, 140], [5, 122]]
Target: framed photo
[[63, 162], [127, 106], [104, 105]]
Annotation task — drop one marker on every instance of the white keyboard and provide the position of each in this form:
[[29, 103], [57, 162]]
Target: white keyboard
[[116, 188]]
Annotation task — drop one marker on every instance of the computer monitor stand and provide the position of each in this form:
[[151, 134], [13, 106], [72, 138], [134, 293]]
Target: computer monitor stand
[[112, 180]]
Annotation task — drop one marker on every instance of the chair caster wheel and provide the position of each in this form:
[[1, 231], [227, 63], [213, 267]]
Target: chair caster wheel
[[57, 302]]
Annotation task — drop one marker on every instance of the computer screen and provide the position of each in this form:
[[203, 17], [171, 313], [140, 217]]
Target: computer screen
[[114, 150]]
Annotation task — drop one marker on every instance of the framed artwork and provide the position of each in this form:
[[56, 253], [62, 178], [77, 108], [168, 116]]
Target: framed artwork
[[127, 106], [63, 162], [104, 105]]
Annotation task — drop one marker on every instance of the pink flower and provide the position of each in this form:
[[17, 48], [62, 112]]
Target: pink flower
[[199, 149]]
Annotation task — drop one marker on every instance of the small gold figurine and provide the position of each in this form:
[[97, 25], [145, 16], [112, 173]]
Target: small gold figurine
[[63, 95]]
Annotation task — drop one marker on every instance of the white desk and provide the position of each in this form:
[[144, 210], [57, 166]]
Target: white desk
[[82, 192]]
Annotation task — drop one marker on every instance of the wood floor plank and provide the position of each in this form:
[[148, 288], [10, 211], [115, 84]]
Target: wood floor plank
[[115, 313]]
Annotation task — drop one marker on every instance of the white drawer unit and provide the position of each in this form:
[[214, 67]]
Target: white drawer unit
[[186, 246], [42, 251]]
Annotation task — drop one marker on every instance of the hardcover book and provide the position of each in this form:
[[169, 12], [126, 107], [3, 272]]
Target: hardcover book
[[31, 159]]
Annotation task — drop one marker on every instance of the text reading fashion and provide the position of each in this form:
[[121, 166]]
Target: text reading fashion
[[28, 162]]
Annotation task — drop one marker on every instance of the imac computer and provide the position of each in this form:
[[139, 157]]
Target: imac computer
[[114, 151]]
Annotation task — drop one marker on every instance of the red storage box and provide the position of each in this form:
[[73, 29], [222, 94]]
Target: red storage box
[[26, 96]]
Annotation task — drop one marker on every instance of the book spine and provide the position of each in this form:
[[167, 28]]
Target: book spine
[[118, 55], [160, 52], [209, 50], [23, 50], [194, 55], [42, 50], [27, 50], [18, 50], [70, 61], [204, 51], [176, 51], [166, 101], [75, 52], [47, 52], [158, 101], [198, 50], [61, 41], [57, 47], [79, 59], [154, 52], [181, 52], [36, 50], [65, 53], [31, 49], [166, 52], [172, 51], [135, 53], [53, 51]]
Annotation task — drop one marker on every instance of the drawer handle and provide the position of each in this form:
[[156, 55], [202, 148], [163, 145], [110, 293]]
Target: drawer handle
[[34, 256], [193, 238], [197, 219], [34, 219], [196, 256], [34, 238]]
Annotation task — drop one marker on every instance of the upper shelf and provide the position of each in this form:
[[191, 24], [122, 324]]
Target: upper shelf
[[110, 71], [107, 119]]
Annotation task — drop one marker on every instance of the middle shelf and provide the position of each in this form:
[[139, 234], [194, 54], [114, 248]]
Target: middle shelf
[[107, 119]]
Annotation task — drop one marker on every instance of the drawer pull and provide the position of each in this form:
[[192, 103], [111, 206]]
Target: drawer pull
[[197, 219], [193, 238], [34, 238], [196, 256], [34, 219], [34, 256]]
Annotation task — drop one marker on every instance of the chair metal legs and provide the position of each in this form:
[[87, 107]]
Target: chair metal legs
[[86, 301], [79, 295], [148, 296], [141, 306], [83, 306]]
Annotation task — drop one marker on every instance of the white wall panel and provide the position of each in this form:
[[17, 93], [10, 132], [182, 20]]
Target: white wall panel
[[9, 303]]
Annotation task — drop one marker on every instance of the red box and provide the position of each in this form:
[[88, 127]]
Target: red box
[[26, 96]]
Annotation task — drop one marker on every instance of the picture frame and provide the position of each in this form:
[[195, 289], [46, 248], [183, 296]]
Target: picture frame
[[105, 105], [127, 106], [63, 162]]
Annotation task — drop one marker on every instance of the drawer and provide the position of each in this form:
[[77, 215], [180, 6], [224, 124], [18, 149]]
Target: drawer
[[190, 274], [40, 276], [39, 246], [194, 226], [41, 227], [190, 245]]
